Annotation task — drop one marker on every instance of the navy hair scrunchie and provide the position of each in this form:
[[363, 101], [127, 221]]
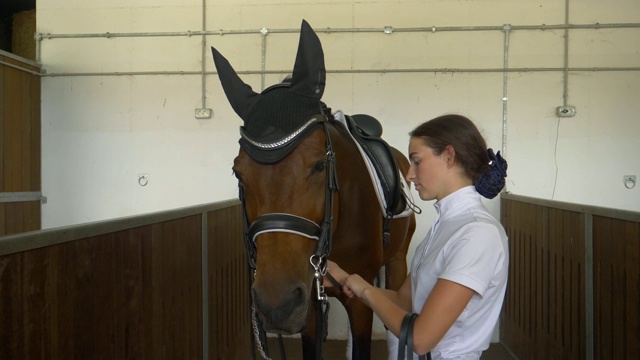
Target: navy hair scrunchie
[[492, 181]]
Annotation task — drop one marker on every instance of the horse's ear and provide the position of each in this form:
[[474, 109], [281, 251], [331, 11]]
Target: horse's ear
[[240, 95], [309, 74]]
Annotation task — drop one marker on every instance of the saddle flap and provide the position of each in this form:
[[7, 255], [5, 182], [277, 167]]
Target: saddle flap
[[381, 156]]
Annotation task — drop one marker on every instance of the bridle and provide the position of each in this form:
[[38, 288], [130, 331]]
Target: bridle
[[290, 223]]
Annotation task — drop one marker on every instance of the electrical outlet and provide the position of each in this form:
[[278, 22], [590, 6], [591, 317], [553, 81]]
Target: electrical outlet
[[566, 111], [203, 113]]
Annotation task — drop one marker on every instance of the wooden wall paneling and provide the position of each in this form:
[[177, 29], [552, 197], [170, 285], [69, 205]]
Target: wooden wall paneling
[[531, 266], [617, 242], [545, 311], [2, 135], [632, 288], [529, 270], [544, 304], [598, 229], [22, 88], [578, 305], [3, 101], [10, 288], [35, 142], [3, 223], [129, 294], [229, 320], [12, 111], [602, 271], [11, 145], [553, 290], [545, 256], [507, 316], [522, 279], [19, 145], [619, 285], [33, 215], [517, 283], [566, 272], [182, 276]]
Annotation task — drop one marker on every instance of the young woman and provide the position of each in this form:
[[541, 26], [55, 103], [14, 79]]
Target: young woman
[[458, 275]]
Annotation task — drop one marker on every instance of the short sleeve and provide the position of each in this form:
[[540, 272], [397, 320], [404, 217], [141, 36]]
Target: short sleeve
[[473, 254]]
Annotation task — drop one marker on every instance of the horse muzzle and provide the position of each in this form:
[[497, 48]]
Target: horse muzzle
[[282, 309]]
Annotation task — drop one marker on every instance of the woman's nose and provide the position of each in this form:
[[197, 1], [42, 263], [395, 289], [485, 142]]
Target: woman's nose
[[410, 174]]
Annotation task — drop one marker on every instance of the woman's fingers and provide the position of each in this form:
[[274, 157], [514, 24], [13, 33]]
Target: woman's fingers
[[356, 284]]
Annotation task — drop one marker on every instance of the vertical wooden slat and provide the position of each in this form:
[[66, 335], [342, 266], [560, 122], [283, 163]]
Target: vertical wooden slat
[[3, 206], [2, 135], [632, 288], [546, 281], [566, 271], [24, 130], [618, 304], [605, 292], [12, 148], [526, 278], [552, 300], [577, 305], [230, 323]]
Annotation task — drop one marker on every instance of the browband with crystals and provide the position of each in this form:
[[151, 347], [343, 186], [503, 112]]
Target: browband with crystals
[[282, 142]]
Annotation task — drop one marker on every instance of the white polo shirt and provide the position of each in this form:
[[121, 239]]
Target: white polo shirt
[[468, 246]]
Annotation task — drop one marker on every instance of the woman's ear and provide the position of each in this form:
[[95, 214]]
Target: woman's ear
[[450, 155]]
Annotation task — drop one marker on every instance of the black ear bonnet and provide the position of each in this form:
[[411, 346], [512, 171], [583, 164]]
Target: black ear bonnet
[[279, 118]]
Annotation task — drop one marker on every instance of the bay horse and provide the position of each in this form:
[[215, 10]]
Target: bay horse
[[308, 196]]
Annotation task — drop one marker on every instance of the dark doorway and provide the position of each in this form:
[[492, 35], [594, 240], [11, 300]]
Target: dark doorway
[[8, 9]]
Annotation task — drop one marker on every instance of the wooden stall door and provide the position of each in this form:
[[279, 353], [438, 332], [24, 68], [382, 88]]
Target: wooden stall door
[[20, 185]]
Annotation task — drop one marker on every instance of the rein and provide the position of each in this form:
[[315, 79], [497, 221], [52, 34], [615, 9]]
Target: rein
[[282, 222]]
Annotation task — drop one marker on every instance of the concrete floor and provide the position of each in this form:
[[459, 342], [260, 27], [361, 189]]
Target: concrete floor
[[336, 349]]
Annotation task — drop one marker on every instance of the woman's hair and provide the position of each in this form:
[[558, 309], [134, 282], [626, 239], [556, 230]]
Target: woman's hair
[[463, 135]]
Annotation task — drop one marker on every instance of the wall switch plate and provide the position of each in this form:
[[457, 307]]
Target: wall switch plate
[[566, 111], [203, 113]]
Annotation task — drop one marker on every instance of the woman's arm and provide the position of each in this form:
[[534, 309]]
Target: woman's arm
[[441, 309], [402, 297]]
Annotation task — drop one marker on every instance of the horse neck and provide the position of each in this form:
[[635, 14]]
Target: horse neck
[[353, 177]]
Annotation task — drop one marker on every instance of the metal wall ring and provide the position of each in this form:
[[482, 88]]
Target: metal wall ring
[[629, 183]]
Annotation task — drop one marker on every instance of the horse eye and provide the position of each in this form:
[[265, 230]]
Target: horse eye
[[319, 167]]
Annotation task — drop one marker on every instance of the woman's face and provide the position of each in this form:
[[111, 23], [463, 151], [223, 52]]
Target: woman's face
[[428, 171]]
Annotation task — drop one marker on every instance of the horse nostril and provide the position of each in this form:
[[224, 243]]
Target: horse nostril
[[299, 295], [286, 301]]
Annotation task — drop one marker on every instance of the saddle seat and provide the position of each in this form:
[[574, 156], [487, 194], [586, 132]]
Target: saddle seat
[[391, 187]]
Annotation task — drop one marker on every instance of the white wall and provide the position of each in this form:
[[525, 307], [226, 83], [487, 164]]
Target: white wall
[[100, 132]]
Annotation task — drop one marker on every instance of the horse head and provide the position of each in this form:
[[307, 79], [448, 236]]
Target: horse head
[[282, 169]]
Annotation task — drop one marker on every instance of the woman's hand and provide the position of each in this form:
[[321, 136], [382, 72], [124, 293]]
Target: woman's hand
[[355, 285], [337, 273]]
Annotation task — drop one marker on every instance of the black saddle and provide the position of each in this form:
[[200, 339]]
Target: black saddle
[[367, 131]]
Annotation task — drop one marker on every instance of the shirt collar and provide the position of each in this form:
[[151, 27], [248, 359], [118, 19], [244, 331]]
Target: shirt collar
[[457, 201]]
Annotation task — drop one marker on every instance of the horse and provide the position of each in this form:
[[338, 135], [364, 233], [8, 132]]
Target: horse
[[308, 196]]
